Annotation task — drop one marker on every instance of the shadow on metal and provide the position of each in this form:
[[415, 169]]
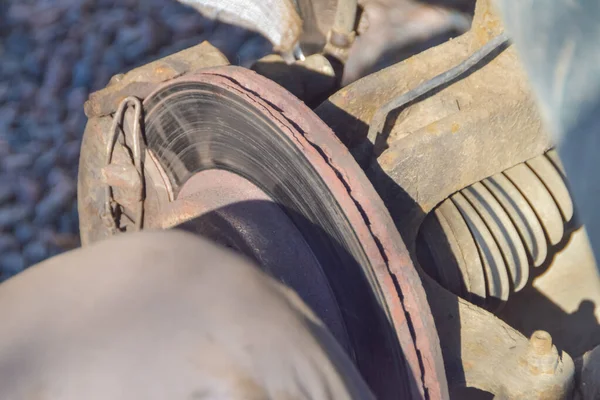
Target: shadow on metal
[[223, 227]]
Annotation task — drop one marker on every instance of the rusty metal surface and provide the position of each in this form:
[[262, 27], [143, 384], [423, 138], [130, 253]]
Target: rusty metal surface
[[362, 98], [90, 183], [437, 146], [487, 354], [478, 126], [391, 264], [449, 140], [376, 139], [432, 164], [139, 82]]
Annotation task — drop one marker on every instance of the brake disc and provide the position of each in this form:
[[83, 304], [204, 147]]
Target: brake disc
[[238, 159]]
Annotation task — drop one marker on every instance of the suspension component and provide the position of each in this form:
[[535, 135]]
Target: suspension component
[[481, 242]]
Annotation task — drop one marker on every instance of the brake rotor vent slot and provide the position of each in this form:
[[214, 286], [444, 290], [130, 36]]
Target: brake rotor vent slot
[[481, 242]]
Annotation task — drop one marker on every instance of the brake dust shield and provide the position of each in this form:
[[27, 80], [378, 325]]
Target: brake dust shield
[[240, 160]]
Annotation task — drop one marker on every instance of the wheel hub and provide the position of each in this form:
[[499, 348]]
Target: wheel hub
[[234, 212]]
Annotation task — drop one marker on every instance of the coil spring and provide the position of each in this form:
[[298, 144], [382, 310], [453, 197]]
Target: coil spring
[[481, 242]]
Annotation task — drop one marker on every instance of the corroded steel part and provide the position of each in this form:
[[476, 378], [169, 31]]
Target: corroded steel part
[[405, 358], [241, 122], [494, 357], [138, 82], [447, 140], [465, 132], [141, 81]]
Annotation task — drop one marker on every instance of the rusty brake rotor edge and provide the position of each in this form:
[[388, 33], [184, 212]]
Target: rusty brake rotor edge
[[232, 119]]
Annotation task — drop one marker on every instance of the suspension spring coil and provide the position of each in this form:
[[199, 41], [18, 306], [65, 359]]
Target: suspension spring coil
[[481, 242]]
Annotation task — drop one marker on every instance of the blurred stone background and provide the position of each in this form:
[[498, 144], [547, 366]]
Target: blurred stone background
[[53, 53]]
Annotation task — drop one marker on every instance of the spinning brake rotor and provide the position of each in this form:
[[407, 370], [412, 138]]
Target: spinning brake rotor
[[248, 165], [236, 158]]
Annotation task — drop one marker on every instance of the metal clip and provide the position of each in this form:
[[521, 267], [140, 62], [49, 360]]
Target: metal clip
[[109, 216]]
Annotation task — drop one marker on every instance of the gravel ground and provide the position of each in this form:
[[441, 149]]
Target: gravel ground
[[53, 53]]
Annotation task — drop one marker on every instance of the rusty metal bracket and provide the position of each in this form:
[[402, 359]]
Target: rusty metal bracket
[[483, 352], [110, 204], [454, 136], [140, 82], [101, 105], [378, 121], [360, 203], [451, 138]]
